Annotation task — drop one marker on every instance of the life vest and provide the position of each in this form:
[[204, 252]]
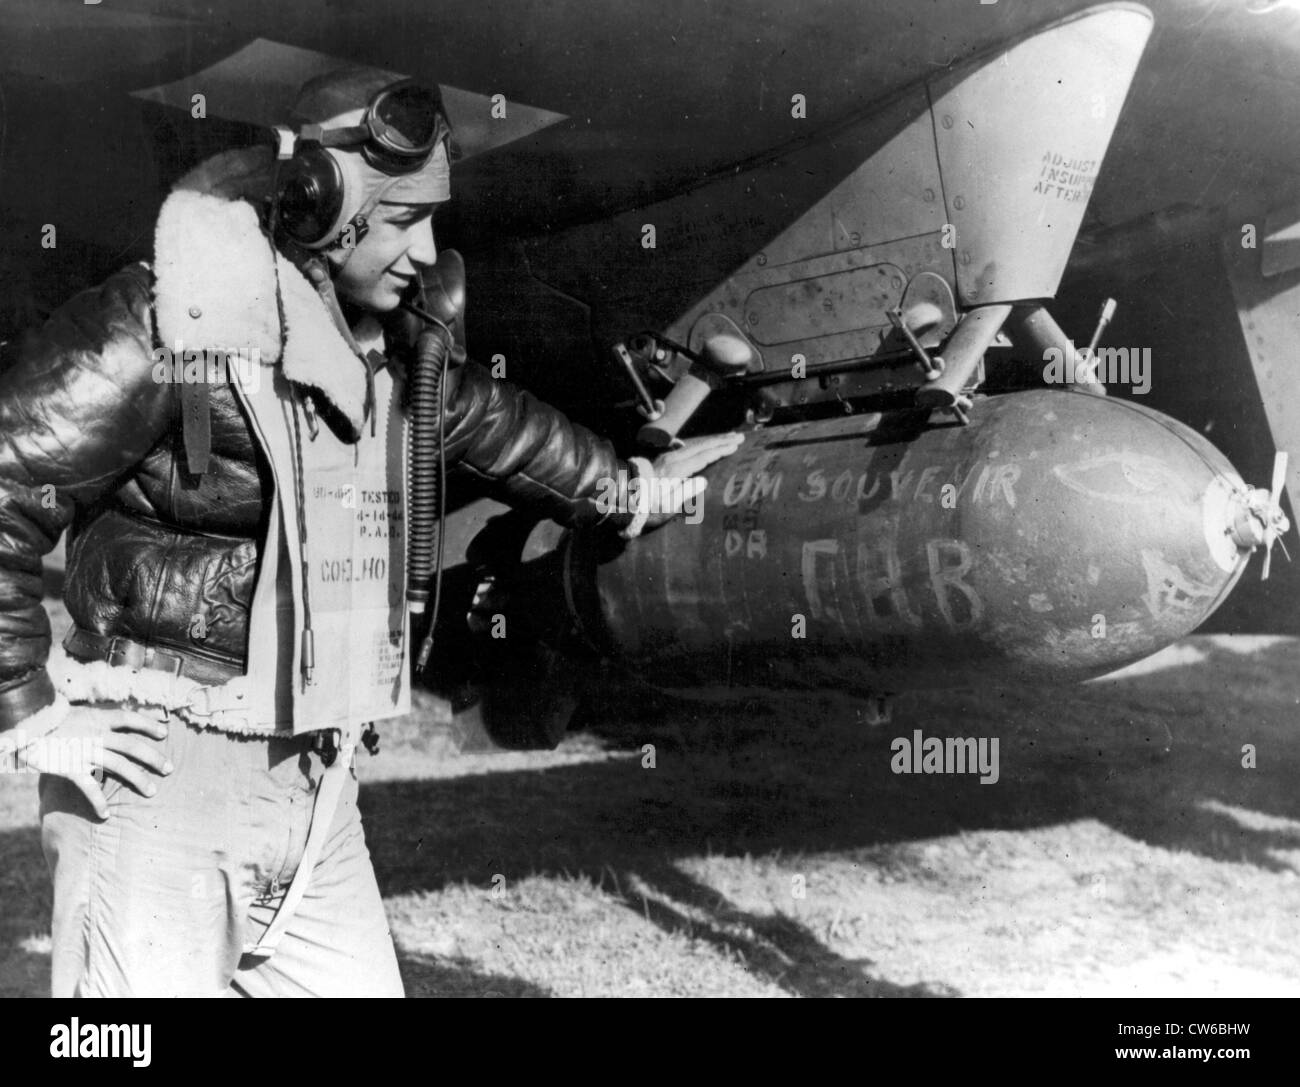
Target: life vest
[[333, 579]]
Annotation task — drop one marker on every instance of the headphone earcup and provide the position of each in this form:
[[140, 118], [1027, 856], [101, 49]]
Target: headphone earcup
[[310, 196]]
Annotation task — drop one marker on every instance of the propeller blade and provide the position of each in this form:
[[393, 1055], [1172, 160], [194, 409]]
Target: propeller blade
[[1274, 503]]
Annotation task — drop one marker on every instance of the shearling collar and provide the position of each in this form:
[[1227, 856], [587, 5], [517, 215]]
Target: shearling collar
[[215, 289]]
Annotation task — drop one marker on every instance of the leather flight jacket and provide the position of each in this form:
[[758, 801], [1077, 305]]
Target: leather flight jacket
[[166, 559]]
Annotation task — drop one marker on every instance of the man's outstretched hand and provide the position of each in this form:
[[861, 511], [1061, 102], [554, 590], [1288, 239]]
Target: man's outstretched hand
[[682, 466]]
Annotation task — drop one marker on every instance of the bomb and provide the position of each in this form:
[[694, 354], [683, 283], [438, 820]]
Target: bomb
[[1058, 536]]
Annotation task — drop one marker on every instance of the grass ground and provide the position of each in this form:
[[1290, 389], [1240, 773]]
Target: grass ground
[[1125, 849], [771, 850]]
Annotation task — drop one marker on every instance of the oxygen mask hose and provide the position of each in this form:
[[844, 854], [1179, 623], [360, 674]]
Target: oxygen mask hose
[[443, 302], [427, 456]]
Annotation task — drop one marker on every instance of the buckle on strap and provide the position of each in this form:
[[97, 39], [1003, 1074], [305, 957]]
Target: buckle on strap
[[285, 140], [217, 701], [326, 743], [124, 653]]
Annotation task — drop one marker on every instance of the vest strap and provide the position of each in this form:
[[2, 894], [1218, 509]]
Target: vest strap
[[196, 425], [328, 794]]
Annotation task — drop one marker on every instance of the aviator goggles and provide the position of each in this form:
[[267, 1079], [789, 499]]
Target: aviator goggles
[[402, 125]]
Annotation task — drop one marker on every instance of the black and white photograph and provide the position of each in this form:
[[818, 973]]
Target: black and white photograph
[[602, 498]]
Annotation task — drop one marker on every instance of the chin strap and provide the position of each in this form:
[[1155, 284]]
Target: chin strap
[[360, 222]]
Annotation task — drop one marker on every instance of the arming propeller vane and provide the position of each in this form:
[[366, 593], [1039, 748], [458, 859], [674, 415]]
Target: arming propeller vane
[[1260, 519], [1277, 525]]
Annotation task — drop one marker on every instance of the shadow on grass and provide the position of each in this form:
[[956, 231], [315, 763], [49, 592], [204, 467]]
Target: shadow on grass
[[807, 777], [425, 975], [1155, 757], [24, 913]]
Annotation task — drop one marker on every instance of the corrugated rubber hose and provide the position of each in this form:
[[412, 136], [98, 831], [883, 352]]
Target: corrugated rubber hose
[[427, 476]]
